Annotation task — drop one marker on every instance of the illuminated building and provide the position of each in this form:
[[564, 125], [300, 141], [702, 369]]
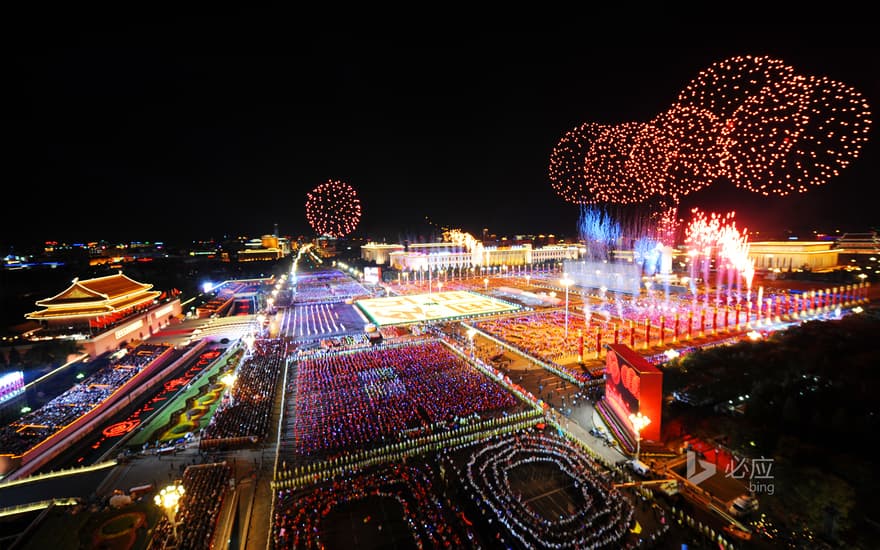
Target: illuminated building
[[794, 255], [259, 254], [859, 243], [266, 248], [378, 253], [436, 256], [105, 312], [282, 244]]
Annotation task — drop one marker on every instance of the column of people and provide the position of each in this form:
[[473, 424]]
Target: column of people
[[247, 414]]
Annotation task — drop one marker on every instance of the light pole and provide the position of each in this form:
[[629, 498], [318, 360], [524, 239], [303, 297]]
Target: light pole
[[228, 380], [439, 287], [566, 282], [169, 500], [470, 334], [486, 284], [249, 341], [639, 421]]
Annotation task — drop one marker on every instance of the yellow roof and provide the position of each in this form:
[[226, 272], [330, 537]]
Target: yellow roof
[[96, 290], [95, 297]]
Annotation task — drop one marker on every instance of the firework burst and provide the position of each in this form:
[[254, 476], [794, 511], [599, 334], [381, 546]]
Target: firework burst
[[333, 209]]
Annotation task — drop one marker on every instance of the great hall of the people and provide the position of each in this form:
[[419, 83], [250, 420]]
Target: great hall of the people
[[768, 256]]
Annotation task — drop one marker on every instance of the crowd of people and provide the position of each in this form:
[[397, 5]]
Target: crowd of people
[[413, 443], [326, 286], [303, 519], [601, 519], [142, 355], [542, 335], [347, 342], [618, 319], [34, 427], [392, 332], [246, 416], [629, 315], [204, 486], [696, 314], [363, 399]]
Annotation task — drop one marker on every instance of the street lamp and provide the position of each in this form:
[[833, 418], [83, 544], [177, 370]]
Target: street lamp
[[169, 500], [439, 286], [486, 284], [249, 341], [566, 282], [470, 334], [639, 421], [228, 380]]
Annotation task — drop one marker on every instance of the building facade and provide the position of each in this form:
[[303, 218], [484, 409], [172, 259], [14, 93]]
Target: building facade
[[441, 256], [793, 255], [105, 312], [378, 252]]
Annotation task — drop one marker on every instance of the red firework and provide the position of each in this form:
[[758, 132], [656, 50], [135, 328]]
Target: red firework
[[333, 209], [751, 119], [567, 172]]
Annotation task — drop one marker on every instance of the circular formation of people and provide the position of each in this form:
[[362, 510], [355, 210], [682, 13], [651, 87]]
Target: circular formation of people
[[600, 516], [303, 519]]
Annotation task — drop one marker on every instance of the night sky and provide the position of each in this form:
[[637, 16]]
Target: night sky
[[208, 127]]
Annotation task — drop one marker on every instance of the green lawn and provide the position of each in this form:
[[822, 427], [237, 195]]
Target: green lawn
[[177, 405]]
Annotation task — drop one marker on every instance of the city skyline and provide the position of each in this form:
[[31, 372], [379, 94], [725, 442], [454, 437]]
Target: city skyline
[[223, 128]]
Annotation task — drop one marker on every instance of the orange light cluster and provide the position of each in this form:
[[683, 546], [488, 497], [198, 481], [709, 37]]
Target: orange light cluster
[[750, 119], [568, 176], [333, 208]]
